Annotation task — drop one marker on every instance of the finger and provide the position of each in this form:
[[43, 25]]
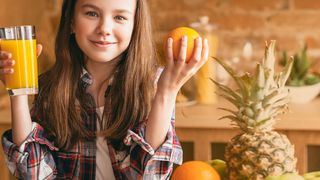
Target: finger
[[39, 49], [196, 57], [183, 49], [5, 55], [6, 70], [194, 65], [8, 62], [169, 58], [205, 51]]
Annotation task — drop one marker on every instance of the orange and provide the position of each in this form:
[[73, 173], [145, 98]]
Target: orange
[[176, 35], [192, 170]]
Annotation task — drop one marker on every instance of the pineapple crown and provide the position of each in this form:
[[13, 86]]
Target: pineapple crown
[[259, 98]]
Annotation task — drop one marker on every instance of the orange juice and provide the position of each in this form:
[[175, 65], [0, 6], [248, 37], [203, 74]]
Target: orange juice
[[25, 76]]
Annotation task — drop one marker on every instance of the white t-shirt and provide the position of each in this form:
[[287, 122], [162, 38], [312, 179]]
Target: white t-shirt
[[104, 169]]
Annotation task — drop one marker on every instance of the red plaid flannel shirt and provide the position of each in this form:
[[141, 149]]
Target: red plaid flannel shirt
[[38, 158]]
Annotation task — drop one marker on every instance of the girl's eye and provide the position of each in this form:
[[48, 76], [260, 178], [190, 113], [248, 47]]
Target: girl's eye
[[92, 14], [120, 18]]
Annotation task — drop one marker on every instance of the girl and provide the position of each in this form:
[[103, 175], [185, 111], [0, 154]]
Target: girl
[[98, 114]]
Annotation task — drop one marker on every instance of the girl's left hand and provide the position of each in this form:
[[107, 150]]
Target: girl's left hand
[[177, 72]]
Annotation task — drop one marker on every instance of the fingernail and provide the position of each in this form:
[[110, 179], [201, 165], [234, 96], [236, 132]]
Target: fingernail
[[2, 54], [184, 38], [5, 54], [13, 62], [8, 70]]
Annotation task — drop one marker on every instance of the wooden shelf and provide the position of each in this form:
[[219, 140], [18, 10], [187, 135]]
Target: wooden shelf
[[300, 116]]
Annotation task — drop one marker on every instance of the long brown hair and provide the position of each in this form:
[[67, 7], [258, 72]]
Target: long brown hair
[[62, 103]]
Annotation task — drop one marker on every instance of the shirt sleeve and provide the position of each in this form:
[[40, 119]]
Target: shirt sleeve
[[33, 158], [154, 164]]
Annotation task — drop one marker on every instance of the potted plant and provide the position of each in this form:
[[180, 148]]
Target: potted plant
[[304, 85]]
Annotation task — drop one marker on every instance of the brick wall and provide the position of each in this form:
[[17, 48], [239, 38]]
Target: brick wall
[[291, 22]]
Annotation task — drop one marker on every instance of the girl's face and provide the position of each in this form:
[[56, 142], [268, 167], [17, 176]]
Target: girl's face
[[103, 28]]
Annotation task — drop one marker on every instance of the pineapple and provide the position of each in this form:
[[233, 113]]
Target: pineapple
[[258, 151]]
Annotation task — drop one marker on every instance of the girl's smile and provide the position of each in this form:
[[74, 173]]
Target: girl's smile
[[103, 44]]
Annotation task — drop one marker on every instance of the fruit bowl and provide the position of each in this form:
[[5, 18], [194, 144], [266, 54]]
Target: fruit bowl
[[303, 94]]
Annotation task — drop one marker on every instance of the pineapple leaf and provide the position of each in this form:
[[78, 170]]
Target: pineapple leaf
[[228, 91], [286, 73], [231, 100], [274, 97], [260, 76], [246, 82], [235, 122], [235, 113], [261, 122], [232, 118], [233, 74], [269, 58]]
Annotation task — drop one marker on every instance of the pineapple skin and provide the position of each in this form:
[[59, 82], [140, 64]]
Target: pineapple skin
[[257, 155]]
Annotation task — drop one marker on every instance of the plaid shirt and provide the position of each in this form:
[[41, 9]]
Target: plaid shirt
[[38, 158]]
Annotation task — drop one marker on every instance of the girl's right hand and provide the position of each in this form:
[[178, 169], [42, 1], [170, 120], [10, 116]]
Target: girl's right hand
[[6, 65]]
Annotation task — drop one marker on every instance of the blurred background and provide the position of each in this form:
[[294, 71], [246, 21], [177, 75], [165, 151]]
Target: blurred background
[[290, 22], [236, 29]]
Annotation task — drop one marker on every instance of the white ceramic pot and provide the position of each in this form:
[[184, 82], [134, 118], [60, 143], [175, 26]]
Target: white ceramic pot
[[303, 94]]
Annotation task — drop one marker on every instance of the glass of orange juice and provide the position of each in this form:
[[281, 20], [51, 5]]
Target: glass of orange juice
[[20, 41]]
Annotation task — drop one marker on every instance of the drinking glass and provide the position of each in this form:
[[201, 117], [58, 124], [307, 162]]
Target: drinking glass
[[20, 41]]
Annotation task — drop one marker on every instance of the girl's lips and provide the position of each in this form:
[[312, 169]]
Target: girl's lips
[[103, 44]]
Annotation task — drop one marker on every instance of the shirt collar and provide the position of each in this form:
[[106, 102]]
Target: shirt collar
[[87, 78]]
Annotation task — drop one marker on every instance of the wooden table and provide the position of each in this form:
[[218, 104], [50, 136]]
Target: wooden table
[[199, 124]]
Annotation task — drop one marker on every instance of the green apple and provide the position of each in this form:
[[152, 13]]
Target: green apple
[[287, 176], [312, 175], [220, 166], [291, 176]]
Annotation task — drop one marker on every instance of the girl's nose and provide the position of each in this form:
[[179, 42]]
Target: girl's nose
[[105, 27]]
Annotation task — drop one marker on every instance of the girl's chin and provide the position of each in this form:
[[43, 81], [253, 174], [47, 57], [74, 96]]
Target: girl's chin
[[104, 59]]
